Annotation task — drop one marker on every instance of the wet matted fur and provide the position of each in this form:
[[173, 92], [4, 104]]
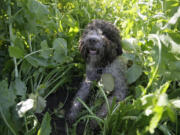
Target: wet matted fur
[[100, 46]]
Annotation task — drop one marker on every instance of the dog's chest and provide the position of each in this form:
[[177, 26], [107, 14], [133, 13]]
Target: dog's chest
[[116, 67], [111, 74]]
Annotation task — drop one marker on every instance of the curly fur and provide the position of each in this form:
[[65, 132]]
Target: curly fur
[[107, 32], [100, 46]]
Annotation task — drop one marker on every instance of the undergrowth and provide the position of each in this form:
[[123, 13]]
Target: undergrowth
[[39, 56]]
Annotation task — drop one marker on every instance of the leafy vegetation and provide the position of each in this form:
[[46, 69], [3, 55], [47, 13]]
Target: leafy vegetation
[[39, 56]]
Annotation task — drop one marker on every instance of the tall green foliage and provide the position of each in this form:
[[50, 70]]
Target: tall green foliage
[[38, 51]]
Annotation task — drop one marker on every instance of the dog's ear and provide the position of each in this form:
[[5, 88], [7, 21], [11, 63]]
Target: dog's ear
[[119, 48], [112, 50], [82, 49]]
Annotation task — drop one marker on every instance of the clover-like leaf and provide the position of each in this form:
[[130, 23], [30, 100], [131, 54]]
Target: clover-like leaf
[[108, 82]]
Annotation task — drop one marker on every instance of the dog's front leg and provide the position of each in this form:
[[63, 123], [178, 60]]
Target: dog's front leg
[[119, 93], [82, 93]]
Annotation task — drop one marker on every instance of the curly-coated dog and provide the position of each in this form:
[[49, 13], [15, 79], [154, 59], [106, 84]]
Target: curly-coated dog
[[100, 46]]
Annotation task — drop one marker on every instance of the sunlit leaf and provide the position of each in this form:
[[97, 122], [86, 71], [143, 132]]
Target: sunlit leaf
[[69, 20], [163, 89], [175, 36], [176, 103], [130, 44], [133, 73], [175, 17], [155, 119], [171, 113], [45, 128], [162, 100]]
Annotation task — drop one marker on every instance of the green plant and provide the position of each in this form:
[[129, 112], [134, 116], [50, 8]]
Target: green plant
[[39, 54]]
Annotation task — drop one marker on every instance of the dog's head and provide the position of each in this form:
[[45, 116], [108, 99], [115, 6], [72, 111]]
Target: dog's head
[[100, 42]]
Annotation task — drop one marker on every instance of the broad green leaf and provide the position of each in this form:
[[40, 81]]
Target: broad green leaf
[[46, 51], [174, 93], [177, 66], [108, 82], [36, 61], [39, 9], [20, 87], [69, 20], [45, 128], [133, 73], [6, 118], [165, 130], [171, 113], [16, 52], [169, 5], [175, 36], [60, 50], [169, 62], [175, 17], [167, 40], [26, 67], [130, 44], [139, 90], [40, 104], [7, 96], [18, 42]]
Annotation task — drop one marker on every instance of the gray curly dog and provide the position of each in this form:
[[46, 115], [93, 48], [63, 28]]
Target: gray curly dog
[[100, 46]]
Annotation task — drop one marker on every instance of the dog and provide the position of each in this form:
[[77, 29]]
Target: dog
[[100, 46]]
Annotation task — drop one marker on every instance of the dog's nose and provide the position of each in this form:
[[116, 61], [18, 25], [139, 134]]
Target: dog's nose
[[92, 40]]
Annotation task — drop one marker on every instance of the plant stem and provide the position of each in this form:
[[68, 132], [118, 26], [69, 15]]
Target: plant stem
[[29, 41], [11, 36], [32, 53], [158, 63]]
